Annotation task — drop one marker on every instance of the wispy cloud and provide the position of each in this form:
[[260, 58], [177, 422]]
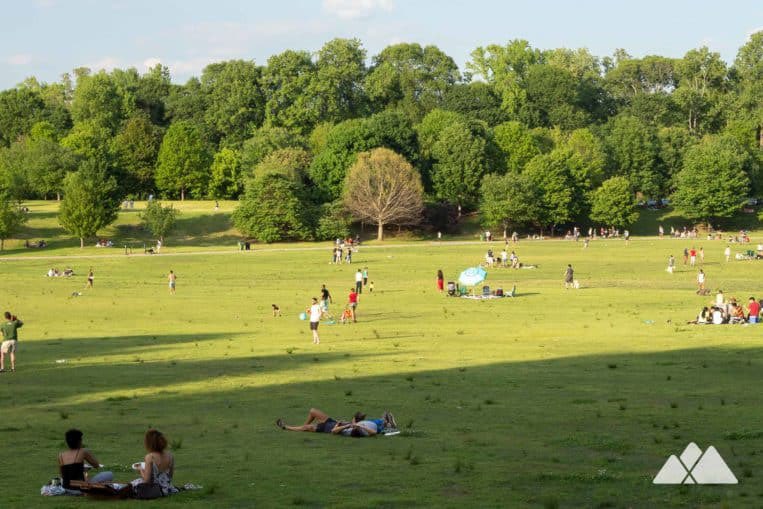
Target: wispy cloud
[[107, 63], [20, 59], [752, 32], [354, 9]]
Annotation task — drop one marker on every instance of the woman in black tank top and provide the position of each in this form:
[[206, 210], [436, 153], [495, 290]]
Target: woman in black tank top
[[71, 463]]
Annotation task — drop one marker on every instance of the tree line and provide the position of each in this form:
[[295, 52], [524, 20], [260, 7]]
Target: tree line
[[310, 143]]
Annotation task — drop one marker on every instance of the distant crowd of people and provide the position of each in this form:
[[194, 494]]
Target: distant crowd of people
[[721, 311]]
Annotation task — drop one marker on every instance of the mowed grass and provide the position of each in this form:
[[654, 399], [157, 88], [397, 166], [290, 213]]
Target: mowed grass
[[556, 398]]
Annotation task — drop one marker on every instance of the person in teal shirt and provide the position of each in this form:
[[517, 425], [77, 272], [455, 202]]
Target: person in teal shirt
[[10, 340]]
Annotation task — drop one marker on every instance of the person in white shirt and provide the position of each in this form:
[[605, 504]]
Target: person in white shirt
[[727, 253], [359, 281], [315, 312]]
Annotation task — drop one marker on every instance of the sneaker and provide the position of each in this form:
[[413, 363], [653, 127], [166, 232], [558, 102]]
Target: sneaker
[[2, 371], [389, 420], [280, 424]]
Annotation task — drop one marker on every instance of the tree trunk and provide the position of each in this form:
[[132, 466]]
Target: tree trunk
[[182, 194], [58, 196], [380, 232], [1, 244], [81, 242]]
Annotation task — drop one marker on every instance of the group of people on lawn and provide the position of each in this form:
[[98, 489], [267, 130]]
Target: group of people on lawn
[[506, 259], [721, 311], [156, 470]]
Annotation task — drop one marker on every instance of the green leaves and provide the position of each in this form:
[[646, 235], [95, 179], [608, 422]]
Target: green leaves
[[614, 203], [157, 219], [183, 162], [90, 201]]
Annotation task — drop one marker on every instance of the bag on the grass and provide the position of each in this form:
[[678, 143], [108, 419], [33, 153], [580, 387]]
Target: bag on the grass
[[147, 491]]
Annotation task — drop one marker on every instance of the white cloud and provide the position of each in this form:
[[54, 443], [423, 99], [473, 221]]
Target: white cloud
[[106, 64], [20, 59], [150, 63], [354, 9], [753, 32]]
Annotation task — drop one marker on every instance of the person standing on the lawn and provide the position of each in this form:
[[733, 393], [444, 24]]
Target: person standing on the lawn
[[315, 311], [352, 302], [671, 264], [701, 281], [440, 280], [90, 278], [727, 253], [686, 255], [358, 282], [701, 255], [365, 276], [9, 345], [171, 278], [692, 257], [569, 275]]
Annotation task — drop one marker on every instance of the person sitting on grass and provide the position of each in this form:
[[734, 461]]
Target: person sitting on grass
[[736, 314], [159, 464], [276, 310], [346, 315], [704, 317], [718, 316], [71, 462], [317, 421]]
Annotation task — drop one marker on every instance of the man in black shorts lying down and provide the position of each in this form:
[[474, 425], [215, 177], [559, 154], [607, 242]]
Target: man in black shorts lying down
[[317, 421]]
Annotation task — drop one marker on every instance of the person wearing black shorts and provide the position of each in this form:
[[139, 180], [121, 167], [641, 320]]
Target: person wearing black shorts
[[317, 421]]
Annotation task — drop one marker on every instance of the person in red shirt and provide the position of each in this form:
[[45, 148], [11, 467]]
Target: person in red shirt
[[692, 257], [353, 303], [753, 310]]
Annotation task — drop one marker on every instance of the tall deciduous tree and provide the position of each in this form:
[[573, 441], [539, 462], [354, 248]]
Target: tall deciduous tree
[[12, 218], [136, 148], [286, 80], [183, 162], [633, 147], [271, 209], [225, 178], [337, 84], [713, 183], [90, 201], [517, 143], [383, 188], [560, 198], [509, 201], [159, 220], [460, 164], [614, 203], [98, 101]]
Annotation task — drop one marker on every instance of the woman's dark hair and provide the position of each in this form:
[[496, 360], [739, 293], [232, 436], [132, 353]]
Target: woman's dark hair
[[155, 441], [359, 416], [357, 433], [73, 438], [439, 274]]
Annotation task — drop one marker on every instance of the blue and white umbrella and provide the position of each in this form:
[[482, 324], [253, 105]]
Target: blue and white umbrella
[[472, 276]]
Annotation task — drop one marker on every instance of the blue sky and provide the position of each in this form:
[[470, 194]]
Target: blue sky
[[46, 38]]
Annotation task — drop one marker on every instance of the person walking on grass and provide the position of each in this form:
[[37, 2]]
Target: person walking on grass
[[692, 257], [90, 278], [365, 276], [440, 280], [569, 276], [671, 264], [352, 303], [686, 255], [171, 278], [316, 312], [727, 253], [358, 282], [10, 340]]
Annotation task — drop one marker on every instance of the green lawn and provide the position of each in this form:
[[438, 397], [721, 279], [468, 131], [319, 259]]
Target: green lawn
[[552, 399]]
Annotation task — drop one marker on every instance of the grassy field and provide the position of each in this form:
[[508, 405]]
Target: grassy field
[[556, 398]]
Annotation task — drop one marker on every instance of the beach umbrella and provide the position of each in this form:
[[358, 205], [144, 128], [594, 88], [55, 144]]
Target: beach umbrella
[[472, 276]]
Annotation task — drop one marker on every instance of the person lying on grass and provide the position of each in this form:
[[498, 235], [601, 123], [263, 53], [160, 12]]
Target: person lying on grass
[[319, 421], [359, 427]]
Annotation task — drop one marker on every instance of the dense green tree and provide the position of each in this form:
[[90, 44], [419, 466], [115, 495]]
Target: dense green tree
[[713, 183], [588, 161], [673, 143], [235, 101], [271, 210], [509, 201], [89, 140], [329, 166], [159, 220], [748, 68], [136, 148], [286, 81], [410, 78], [460, 164], [633, 149], [552, 98], [12, 218], [475, 100], [20, 109], [393, 129], [614, 203], [98, 102], [517, 143], [46, 165], [432, 125], [336, 86], [560, 199], [290, 162], [265, 141], [702, 81], [382, 188], [183, 162], [225, 175], [333, 222], [91, 201]]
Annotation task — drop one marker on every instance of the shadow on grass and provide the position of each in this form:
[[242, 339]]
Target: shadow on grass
[[585, 431]]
